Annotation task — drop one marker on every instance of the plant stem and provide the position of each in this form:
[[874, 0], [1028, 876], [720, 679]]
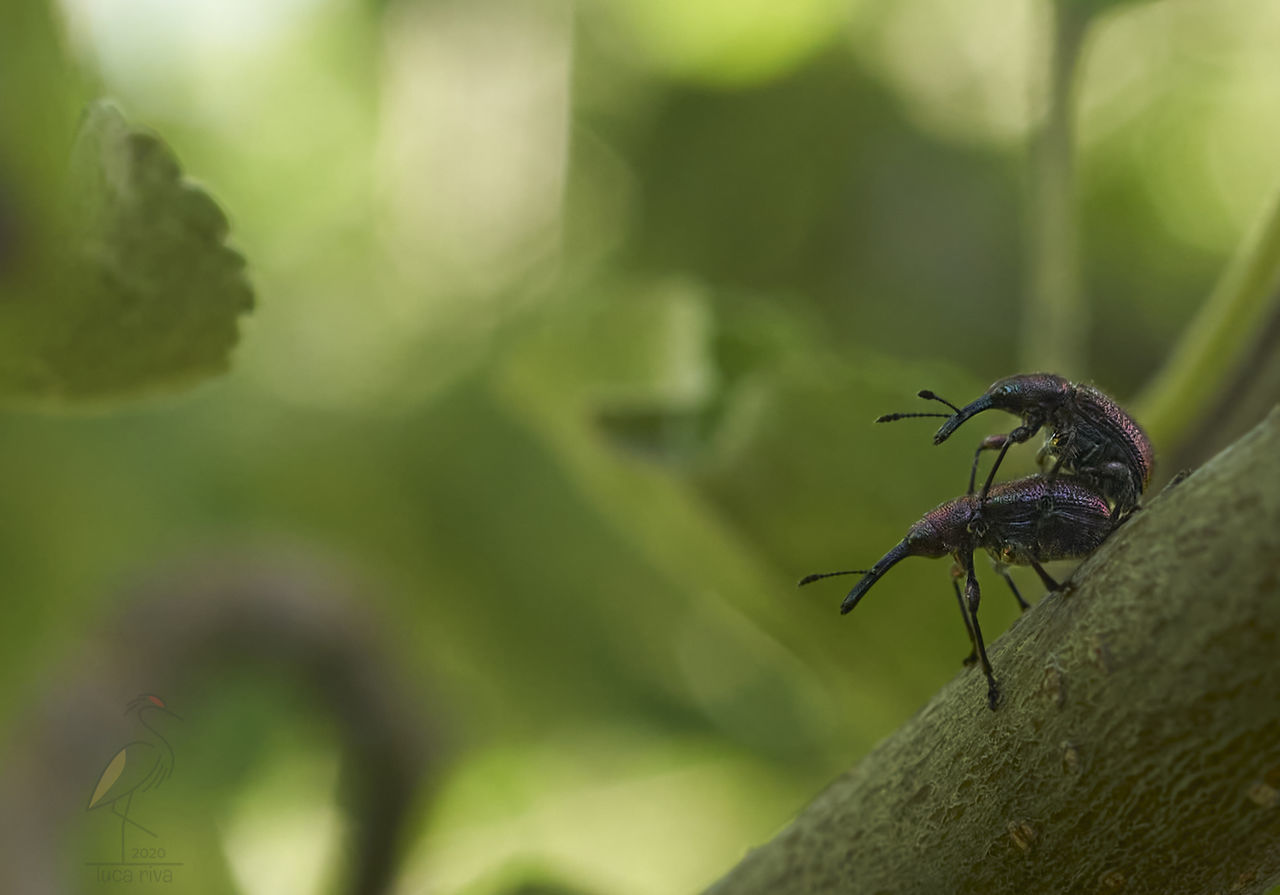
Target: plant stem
[[1210, 352], [1056, 319]]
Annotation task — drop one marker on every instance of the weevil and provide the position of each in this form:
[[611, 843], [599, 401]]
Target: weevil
[[1026, 521], [1088, 433]]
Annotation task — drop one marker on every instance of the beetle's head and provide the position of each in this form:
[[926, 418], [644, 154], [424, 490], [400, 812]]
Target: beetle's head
[[1024, 395], [937, 533], [1017, 394]]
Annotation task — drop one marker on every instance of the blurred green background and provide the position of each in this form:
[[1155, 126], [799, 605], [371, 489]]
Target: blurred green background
[[572, 321]]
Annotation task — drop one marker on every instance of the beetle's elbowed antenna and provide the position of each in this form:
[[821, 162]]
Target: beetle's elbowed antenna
[[818, 576], [923, 393], [962, 416], [953, 421], [968, 605], [911, 546], [872, 575], [991, 442], [875, 573], [956, 572]]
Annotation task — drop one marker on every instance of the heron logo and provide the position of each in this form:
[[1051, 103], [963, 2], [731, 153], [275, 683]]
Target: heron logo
[[137, 767]]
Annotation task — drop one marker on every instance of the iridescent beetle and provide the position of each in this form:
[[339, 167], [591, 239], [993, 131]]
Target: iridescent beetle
[[1027, 521], [1088, 434]]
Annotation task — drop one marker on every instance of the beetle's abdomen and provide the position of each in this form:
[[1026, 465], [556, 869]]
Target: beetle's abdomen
[[1114, 436], [1075, 520], [1045, 519]]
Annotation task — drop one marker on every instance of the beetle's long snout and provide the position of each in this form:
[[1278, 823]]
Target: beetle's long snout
[[885, 563], [956, 421]]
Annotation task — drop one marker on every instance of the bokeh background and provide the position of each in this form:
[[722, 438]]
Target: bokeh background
[[572, 321]]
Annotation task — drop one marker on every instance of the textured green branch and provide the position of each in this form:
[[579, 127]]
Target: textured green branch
[[1138, 747]]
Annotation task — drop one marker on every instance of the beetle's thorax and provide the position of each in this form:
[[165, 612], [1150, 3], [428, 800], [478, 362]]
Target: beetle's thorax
[[1059, 415]]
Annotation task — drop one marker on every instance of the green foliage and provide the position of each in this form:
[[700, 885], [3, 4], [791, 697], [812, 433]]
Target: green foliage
[[145, 296]]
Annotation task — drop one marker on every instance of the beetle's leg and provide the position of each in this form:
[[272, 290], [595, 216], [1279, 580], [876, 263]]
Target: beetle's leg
[[1045, 577], [1017, 594], [956, 574], [1089, 458], [990, 443], [972, 596], [1017, 436], [1117, 481]]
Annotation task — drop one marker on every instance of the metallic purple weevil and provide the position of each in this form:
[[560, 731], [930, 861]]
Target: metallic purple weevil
[[1027, 521], [1088, 434]]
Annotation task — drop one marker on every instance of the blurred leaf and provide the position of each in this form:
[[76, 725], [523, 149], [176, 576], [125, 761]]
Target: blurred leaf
[[149, 296], [10, 224], [1093, 7], [729, 43], [38, 104], [653, 369], [600, 809], [544, 887]]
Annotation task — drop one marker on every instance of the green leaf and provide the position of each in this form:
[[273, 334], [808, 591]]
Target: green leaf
[[147, 295]]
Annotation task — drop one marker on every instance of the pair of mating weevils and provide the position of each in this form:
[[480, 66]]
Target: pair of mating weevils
[[1096, 461]]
